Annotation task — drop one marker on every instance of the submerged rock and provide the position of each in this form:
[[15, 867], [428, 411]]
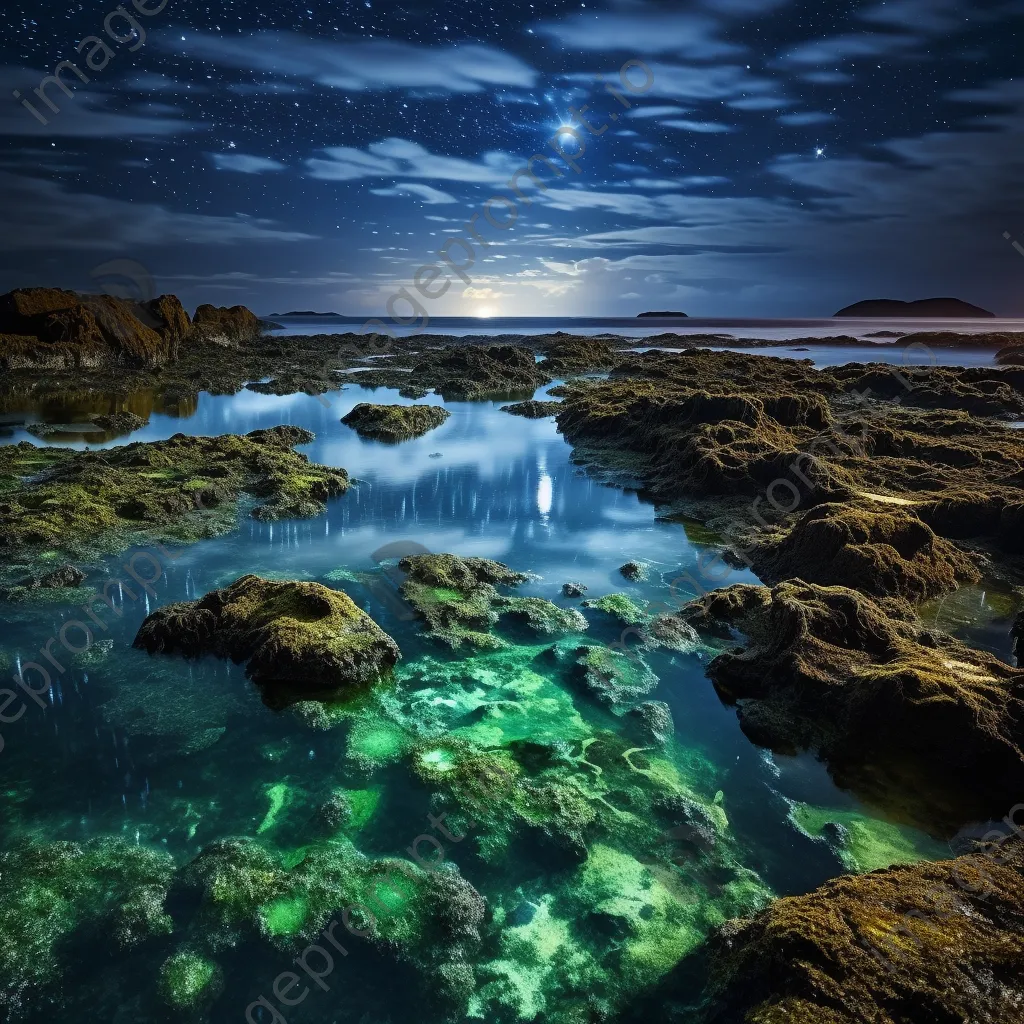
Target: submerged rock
[[652, 720], [297, 635], [827, 668], [611, 677], [394, 423], [542, 615], [457, 596], [931, 941]]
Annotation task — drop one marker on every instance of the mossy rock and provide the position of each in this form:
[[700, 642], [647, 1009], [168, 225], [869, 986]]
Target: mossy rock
[[934, 938], [293, 636], [189, 980], [828, 668], [394, 423], [88, 503]]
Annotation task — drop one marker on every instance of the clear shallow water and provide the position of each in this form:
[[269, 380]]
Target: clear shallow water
[[177, 755], [782, 330]]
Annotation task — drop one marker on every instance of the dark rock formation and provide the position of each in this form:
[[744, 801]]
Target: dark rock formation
[[924, 308], [120, 422], [302, 636], [532, 410], [661, 312], [394, 423], [927, 942], [579, 355], [634, 571], [573, 589], [827, 668], [227, 325], [52, 328]]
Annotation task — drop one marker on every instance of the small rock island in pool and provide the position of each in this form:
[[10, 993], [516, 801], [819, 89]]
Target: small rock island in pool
[[394, 423], [662, 312]]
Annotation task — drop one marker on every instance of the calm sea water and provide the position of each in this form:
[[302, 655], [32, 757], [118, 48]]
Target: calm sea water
[[177, 754], [633, 327]]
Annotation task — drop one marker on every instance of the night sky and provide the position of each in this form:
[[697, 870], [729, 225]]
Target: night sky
[[784, 158]]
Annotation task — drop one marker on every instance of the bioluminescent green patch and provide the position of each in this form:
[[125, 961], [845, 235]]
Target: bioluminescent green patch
[[280, 794], [188, 979], [287, 915], [864, 843]]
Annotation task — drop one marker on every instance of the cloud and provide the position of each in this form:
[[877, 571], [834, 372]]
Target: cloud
[[692, 82], [374, 64], [760, 103], [657, 111], [703, 127], [839, 48], [45, 215], [431, 196], [81, 116], [827, 77], [805, 118], [641, 32], [245, 164], [935, 16], [402, 158]]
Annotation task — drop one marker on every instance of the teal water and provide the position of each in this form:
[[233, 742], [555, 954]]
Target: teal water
[[174, 755]]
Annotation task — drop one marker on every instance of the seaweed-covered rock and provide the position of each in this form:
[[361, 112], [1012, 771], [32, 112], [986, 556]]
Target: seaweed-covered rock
[[394, 423], [573, 589], [883, 553], [541, 615], [932, 941], [61, 902], [610, 676], [473, 372], [652, 720], [184, 488], [121, 422], [620, 606], [579, 355], [457, 596], [826, 667], [298, 635], [227, 325], [49, 327], [532, 410], [634, 571]]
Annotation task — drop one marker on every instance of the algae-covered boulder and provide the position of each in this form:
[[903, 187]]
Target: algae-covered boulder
[[184, 488], [826, 667], [225, 325], [928, 942], [49, 327], [296, 635], [394, 423], [880, 552]]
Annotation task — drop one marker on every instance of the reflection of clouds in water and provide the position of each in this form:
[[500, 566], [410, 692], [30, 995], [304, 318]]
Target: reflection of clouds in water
[[544, 495]]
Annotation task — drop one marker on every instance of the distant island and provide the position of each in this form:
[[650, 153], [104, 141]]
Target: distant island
[[304, 312], [673, 312], [922, 308]]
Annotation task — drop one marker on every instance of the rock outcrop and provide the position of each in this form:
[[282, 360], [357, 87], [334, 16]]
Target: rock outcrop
[[826, 668], [532, 410], [927, 942], [298, 636], [225, 325], [394, 423], [52, 328]]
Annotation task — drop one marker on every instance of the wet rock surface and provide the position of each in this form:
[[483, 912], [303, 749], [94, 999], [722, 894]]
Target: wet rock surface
[[294, 636], [938, 941], [532, 410], [826, 668], [394, 423]]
